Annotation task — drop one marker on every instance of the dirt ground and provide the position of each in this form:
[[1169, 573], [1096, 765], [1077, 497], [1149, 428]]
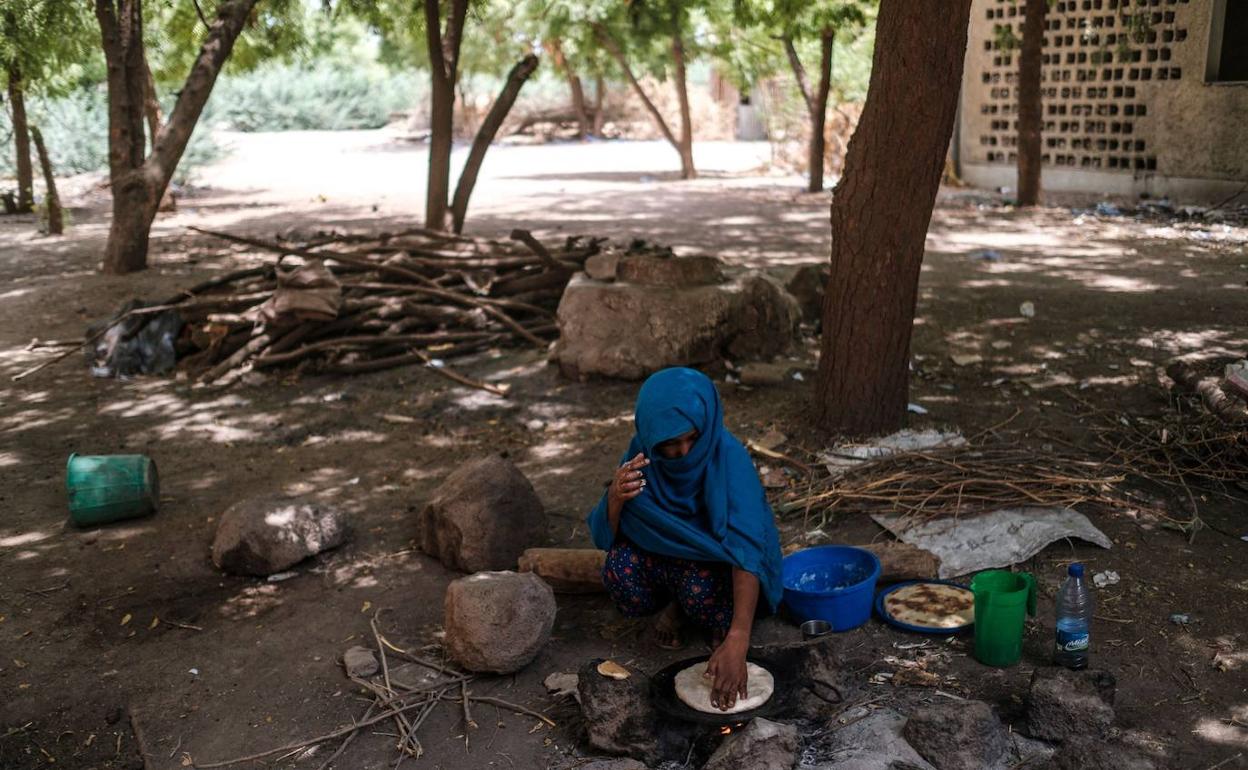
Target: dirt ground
[[127, 634]]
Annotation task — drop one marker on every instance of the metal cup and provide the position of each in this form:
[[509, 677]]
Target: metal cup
[[812, 629]]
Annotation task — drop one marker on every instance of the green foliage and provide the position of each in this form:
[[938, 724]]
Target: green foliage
[[52, 43], [749, 40], [323, 96], [75, 128], [173, 34]]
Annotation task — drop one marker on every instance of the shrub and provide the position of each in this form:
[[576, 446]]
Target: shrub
[[75, 128], [323, 96]]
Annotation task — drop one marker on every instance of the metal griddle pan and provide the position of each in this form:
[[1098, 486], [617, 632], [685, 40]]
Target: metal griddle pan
[[663, 690]]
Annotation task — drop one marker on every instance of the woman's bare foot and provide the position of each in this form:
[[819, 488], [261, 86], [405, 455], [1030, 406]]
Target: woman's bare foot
[[717, 638], [669, 626]]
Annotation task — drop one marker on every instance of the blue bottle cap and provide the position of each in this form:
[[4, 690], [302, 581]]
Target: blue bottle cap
[[1075, 570]]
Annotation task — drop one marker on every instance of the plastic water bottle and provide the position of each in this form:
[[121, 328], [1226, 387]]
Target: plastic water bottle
[[1074, 620]]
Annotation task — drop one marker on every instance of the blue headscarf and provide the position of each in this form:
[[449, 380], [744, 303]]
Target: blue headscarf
[[706, 506]]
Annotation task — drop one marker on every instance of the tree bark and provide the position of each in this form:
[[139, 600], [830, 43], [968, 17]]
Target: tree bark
[[818, 115], [687, 171], [574, 87], [600, 89], [56, 219], [617, 53], [485, 135], [880, 212], [443, 72], [138, 180], [21, 142], [1030, 109]]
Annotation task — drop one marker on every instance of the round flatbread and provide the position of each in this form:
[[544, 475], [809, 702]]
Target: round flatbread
[[931, 605], [694, 689]]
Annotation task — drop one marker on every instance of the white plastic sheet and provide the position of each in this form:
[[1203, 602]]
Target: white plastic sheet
[[993, 540]]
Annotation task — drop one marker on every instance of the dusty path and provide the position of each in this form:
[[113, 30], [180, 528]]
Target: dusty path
[[1114, 298]]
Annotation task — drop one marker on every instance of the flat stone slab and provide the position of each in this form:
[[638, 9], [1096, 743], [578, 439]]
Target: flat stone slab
[[671, 271]]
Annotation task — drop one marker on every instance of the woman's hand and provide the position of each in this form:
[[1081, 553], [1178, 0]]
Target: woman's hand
[[627, 483], [727, 668]]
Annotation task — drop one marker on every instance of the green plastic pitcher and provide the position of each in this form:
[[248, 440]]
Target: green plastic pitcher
[[1002, 601], [104, 488]]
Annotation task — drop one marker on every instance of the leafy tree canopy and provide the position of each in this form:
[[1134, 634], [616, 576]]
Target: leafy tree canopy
[[52, 43]]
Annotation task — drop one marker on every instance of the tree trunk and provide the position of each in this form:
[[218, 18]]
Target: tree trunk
[[687, 171], [21, 142], [819, 112], [880, 212], [485, 135], [617, 53], [443, 72], [56, 220], [574, 86], [138, 180], [1030, 117], [600, 88]]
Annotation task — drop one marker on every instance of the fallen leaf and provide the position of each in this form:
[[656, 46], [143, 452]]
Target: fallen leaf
[[126, 618], [772, 439], [367, 606], [186, 760], [19, 663], [155, 622]]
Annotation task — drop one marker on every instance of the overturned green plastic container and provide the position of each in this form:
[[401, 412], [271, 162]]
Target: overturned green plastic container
[[106, 488]]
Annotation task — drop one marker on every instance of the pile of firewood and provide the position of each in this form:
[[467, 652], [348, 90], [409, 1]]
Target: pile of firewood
[[349, 304]]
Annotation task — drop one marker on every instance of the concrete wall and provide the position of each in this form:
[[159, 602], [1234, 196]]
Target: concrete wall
[[1127, 108]]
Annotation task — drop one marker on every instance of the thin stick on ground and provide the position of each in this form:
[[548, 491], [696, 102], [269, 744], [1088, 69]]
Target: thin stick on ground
[[387, 714], [346, 741]]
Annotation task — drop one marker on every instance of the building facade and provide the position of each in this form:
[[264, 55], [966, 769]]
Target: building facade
[[1139, 97]]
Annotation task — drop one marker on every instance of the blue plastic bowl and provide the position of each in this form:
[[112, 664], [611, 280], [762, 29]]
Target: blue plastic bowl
[[835, 583]]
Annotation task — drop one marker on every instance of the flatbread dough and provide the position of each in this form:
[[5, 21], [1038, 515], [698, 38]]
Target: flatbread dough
[[694, 689], [931, 605]]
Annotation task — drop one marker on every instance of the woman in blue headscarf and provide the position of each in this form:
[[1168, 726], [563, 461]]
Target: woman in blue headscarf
[[687, 527]]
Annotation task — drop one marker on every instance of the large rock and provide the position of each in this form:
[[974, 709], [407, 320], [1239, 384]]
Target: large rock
[[620, 718], [958, 735], [482, 517], [816, 663], [498, 621], [871, 741], [1063, 703], [629, 330], [765, 322], [1087, 753], [807, 286], [613, 764], [262, 536], [761, 745]]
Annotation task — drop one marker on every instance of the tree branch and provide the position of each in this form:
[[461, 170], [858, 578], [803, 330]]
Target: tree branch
[[169, 145], [799, 72], [485, 135], [617, 53]]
